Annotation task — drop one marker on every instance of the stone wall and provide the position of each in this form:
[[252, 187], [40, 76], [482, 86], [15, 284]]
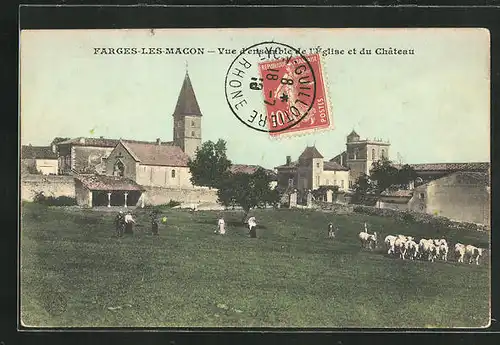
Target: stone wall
[[50, 186], [160, 195]]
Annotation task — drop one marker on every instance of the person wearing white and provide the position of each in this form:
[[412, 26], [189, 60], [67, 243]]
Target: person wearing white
[[222, 226], [252, 225], [129, 221]]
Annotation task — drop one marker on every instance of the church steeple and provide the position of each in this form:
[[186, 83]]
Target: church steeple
[[187, 119], [187, 103]]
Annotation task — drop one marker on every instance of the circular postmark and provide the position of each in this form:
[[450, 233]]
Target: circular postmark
[[270, 86]]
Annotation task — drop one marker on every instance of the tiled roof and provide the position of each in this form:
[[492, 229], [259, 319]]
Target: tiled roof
[[473, 177], [187, 103], [401, 193], [288, 166], [249, 169], [334, 166], [37, 152], [472, 166], [337, 157], [105, 142], [153, 154], [102, 182], [310, 152]]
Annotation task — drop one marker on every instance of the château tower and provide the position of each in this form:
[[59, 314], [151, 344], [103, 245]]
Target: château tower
[[187, 119], [361, 154]]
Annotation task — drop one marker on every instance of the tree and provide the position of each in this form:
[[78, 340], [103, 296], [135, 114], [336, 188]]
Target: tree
[[406, 174], [247, 191], [58, 140], [363, 186], [385, 174], [210, 165]]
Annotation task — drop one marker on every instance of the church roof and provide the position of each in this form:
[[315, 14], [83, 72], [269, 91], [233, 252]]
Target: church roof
[[187, 103], [154, 154], [310, 152]]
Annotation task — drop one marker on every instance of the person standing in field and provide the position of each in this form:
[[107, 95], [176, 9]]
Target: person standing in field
[[222, 226], [129, 222], [154, 223], [252, 226], [119, 224]]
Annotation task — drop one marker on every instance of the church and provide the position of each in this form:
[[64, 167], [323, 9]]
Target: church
[[123, 172]]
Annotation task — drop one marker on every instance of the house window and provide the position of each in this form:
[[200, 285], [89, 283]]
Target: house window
[[192, 123], [373, 154], [317, 165], [192, 134], [317, 180], [173, 173], [350, 183], [421, 196], [383, 153], [334, 182]]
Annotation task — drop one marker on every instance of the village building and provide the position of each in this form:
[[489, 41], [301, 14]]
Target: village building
[[39, 160], [360, 154], [461, 196], [150, 164], [100, 190], [464, 196], [310, 172]]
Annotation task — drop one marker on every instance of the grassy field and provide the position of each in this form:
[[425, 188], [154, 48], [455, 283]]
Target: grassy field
[[75, 273]]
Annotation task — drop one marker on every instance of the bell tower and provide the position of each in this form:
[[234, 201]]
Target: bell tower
[[187, 119]]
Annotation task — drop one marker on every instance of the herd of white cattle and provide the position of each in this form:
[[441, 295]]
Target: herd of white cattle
[[426, 249]]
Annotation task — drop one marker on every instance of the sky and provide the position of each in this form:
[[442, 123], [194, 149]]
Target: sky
[[433, 106]]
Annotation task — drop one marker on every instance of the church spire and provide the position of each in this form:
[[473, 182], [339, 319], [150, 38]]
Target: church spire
[[187, 103]]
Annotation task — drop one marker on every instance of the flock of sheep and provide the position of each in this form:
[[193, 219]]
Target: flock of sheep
[[426, 249]]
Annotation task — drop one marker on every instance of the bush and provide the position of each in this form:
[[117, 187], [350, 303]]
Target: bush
[[173, 203], [40, 198]]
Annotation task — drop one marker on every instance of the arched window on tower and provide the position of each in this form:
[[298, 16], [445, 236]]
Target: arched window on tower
[[173, 173], [373, 154], [383, 153], [356, 154]]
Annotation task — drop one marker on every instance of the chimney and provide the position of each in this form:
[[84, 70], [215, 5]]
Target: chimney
[[158, 141], [288, 160], [342, 159]]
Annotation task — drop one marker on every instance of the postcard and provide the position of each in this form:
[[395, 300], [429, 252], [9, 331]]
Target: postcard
[[247, 178]]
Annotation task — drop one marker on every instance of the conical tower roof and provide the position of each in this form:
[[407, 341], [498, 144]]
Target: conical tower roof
[[187, 103], [353, 134]]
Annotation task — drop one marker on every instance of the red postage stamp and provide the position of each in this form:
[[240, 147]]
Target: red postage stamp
[[292, 92]]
